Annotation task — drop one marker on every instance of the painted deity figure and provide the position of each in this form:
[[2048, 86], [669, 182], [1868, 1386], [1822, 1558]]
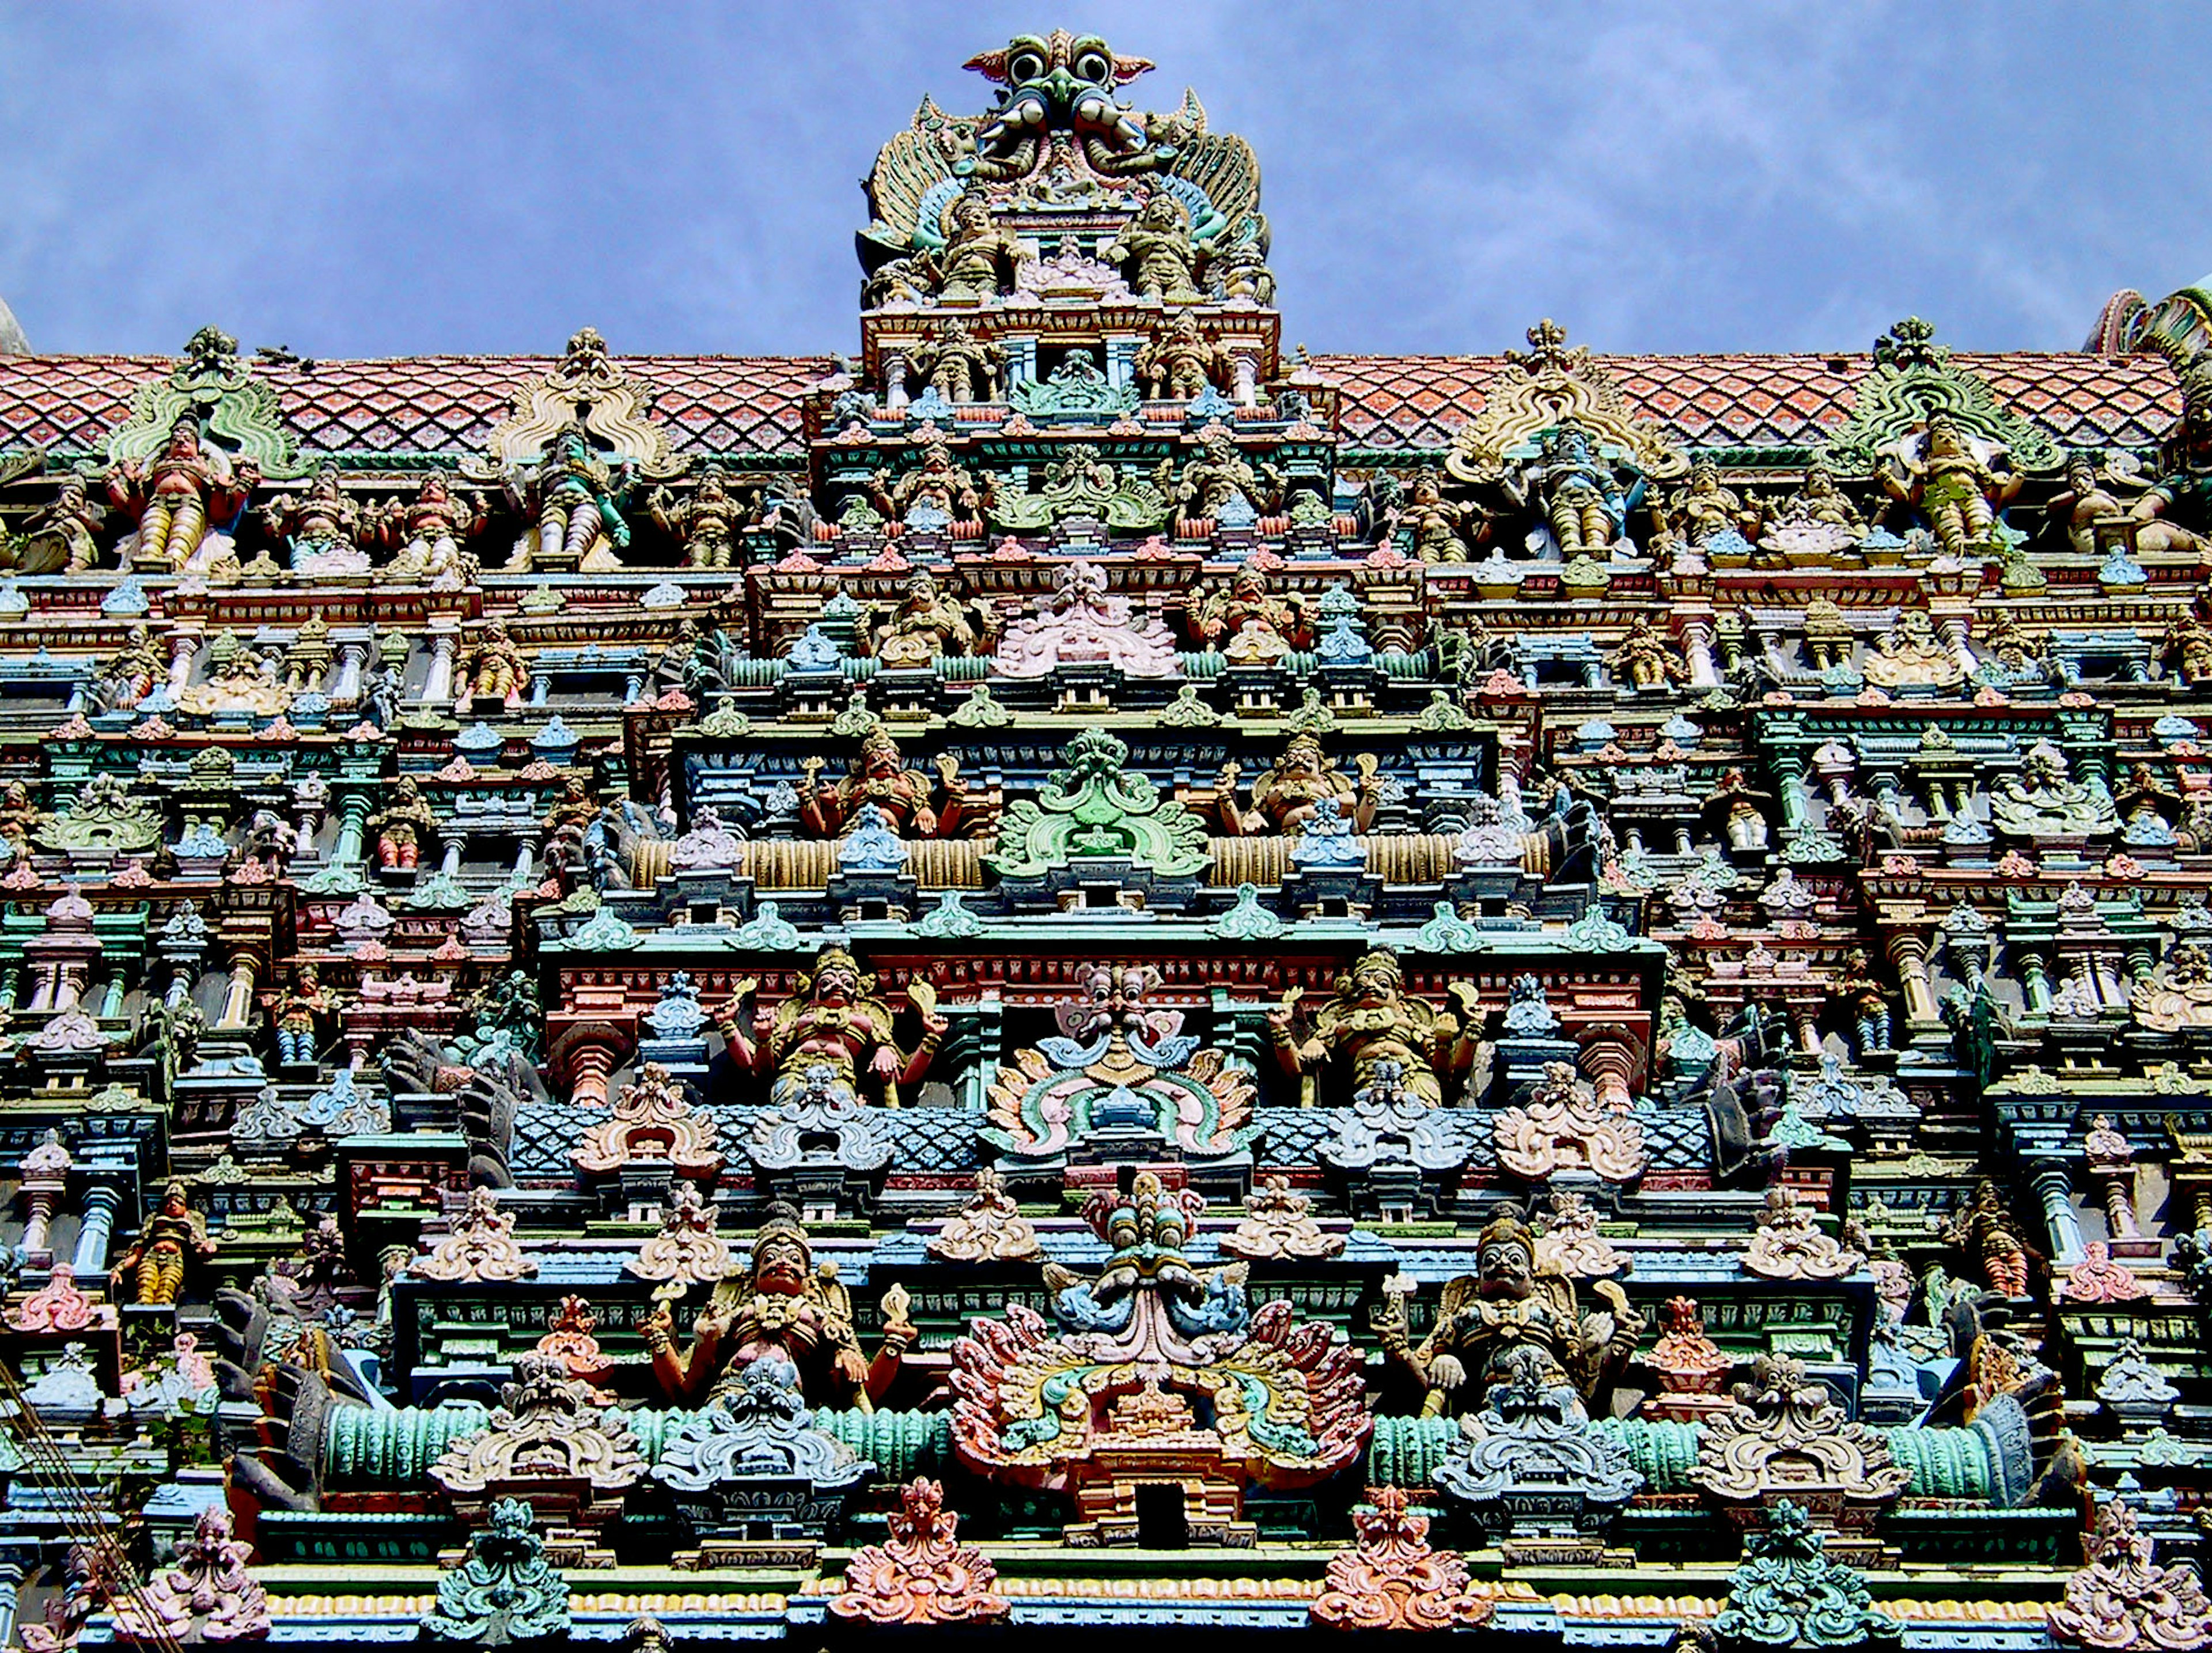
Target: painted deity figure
[[2176, 513], [1248, 623], [404, 827], [1865, 1001], [1820, 503], [61, 538], [1512, 1310], [1990, 1237], [1219, 484], [959, 366], [1957, 492], [1739, 811], [2187, 646], [174, 1238], [904, 797], [2086, 511], [1703, 507], [429, 532], [493, 670], [926, 625], [1647, 658], [320, 528], [130, 673], [184, 493], [778, 1306], [575, 497], [1370, 1020], [1442, 530], [1286, 795], [933, 496], [1180, 362], [708, 523], [1155, 251], [20, 816], [834, 1021], [295, 1015], [979, 257], [1582, 501]]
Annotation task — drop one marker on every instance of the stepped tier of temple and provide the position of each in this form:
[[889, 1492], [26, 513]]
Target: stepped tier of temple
[[1078, 972]]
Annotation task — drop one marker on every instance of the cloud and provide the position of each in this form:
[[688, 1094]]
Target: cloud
[[420, 177]]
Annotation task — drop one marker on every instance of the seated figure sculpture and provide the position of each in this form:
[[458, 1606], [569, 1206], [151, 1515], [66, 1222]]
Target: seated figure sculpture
[[777, 1305], [428, 531], [1248, 623], [1285, 797], [1371, 1019], [1511, 1304], [904, 797], [925, 626], [833, 1021]]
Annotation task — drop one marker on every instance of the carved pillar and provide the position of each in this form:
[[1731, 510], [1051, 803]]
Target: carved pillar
[[1795, 810], [110, 1004], [101, 1200], [1954, 629], [895, 369], [2035, 983], [42, 1192], [1808, 1034], [1248, 378], [353, 656], [353, 828], [1697, 649], [2112, 1161], [452, 866], [2055, 1188], [238, 1003], [11, 1584], [438, 686], [182, 646], [1909, 954]]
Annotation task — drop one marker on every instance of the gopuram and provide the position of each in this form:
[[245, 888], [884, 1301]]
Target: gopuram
[[1081, 974]]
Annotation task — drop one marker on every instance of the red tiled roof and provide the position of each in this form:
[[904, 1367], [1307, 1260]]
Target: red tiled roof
[[449, 403], [418, 404], [1757, 401]]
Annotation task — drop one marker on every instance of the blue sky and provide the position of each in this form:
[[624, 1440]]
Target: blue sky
[[399, 178]]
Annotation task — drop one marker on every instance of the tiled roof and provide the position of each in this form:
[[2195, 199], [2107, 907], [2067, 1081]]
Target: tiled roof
[[449, 403], [419, 405], [1755, 401]]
